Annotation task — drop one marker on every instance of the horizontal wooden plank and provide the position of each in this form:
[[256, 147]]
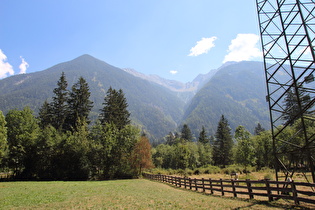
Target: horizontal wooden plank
[[306, 200], [288, 197], [306, 184], [309, 193]]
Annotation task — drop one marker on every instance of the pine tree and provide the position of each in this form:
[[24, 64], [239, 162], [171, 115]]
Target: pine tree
[[259, 129], [45, 115], [222, 151], [203, 136], [59, 105], [3, 137], [79, 104], [186, 133], [292, 111], [115, 109]]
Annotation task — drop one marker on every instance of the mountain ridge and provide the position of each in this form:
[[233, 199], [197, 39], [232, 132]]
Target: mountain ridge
[[155, 107], [164, 110]]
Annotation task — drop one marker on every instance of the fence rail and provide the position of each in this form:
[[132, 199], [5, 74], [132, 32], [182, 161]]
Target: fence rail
[[296, 191]]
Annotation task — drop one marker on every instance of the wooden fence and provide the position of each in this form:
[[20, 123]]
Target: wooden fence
[[297, 191]]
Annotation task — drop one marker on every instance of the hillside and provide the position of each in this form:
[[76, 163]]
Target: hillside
[[238, 91], [158, 105], [152, 106], [185, 91]]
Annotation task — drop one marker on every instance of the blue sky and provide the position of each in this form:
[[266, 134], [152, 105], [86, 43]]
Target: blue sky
[[175, 39]]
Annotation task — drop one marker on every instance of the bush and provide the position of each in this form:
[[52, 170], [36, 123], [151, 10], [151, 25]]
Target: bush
[[196, 172], [233, 169], [212, 170], [268, 176]]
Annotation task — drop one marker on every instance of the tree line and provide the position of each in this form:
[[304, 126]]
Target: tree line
[[60, 144], [242, 148], [180, 151]]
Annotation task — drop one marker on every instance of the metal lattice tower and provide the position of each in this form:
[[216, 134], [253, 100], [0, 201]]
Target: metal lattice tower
[[287, 30]]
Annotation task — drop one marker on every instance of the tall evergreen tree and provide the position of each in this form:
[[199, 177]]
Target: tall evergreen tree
[[292, 111], [45, 115], [59, 105], [79, 104], [259, 129], [203, 138], [222, 150], [115, 109], [186, 133], [3, 137]]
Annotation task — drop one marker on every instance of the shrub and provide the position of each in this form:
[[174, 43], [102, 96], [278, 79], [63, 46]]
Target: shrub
[[212, 169], [268, 176], [196, 172]]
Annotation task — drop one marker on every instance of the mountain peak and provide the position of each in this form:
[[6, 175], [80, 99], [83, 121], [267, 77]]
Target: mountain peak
[[85, 57]]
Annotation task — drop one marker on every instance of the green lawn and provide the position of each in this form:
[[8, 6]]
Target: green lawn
[[121, 194]]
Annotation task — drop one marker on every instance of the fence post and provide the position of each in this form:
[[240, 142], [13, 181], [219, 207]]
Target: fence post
[[294, 192], [222, 190], [190, 183], [249, 187], [203, 185], [233, 187], [268, 190], [180, 182], [210, 182], [196, 187]]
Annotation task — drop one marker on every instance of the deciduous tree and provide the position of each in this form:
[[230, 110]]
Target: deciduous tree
[[141, 155], [23, 131], [245, 150]]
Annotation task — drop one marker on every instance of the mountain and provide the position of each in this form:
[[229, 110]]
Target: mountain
[[155, 108], [237, 91], [184, 91], [157, 105]]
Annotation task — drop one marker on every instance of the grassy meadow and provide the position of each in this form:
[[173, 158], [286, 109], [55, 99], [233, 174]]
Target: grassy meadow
[[118, 194]]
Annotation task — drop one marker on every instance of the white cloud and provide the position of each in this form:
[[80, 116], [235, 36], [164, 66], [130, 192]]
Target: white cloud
[[23, 66], [243, 48], [173, 72], [202, 46], [5, 68]]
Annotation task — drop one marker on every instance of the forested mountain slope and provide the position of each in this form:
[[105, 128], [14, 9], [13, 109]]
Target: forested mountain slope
[[237, 91], [154, 107]]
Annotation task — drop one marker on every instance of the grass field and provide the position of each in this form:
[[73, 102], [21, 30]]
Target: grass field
[[120, 194]]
